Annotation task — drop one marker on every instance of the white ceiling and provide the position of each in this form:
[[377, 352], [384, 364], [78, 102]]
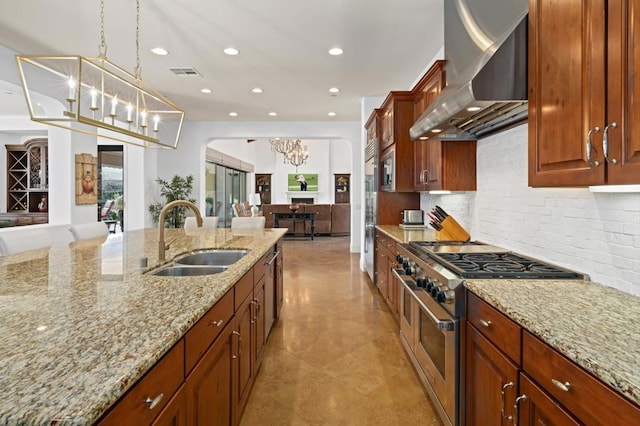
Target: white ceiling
[[283, 49]]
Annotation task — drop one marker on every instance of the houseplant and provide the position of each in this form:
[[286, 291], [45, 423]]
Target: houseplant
[[178, 188]]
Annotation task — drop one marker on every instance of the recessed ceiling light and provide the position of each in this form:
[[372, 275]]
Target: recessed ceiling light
[[334, 90], [273, 114], [206, 90], [161, 51], [256, 90], [335, 51], [232, 51], [475, 108], [332, 114], [233, 114], [436, 130], [423, 138]]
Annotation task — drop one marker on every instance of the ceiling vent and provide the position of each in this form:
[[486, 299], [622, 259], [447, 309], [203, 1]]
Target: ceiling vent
[[185, 72]]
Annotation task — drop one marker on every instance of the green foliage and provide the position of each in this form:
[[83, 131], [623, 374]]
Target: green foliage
[[178, 188]]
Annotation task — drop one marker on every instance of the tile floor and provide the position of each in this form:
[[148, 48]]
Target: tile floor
[[334, 357]]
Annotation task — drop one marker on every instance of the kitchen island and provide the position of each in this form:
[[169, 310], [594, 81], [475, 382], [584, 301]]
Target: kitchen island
[[82, 323]]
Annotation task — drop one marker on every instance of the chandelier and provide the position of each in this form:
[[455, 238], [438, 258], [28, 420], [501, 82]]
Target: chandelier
[[99, 98], [292, 150]]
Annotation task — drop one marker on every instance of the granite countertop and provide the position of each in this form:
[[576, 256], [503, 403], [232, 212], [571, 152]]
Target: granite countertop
[[82, 323], [407, 235], [594, 325]]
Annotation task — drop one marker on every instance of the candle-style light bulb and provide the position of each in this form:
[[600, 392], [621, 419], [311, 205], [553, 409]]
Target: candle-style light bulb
[[72, 88], [129, 113], [143, 118], [156, 120], [114, 104], [94, 98]]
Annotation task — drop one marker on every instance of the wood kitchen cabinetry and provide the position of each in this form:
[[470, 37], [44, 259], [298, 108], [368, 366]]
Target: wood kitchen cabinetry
[[512, 377], [440, 165], [396, 115], [386, 260], [584, 87], [389, 204], [208, 375]]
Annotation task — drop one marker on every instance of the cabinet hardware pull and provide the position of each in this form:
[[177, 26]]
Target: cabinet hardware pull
[[216, 323], [515, 407], [485, 323], [605, 143], [239, 340], [152, 403], [506, 385], [591, 148], [564, 386], [273, 258]]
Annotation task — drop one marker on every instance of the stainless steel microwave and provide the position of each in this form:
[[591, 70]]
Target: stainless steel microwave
[[387, 171]]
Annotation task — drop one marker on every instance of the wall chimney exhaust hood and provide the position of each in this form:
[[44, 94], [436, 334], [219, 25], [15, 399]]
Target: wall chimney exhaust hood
[[486, 66]]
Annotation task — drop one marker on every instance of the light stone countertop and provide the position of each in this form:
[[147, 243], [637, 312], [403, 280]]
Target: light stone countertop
[[407, 235], [80, 324], [596, 326]]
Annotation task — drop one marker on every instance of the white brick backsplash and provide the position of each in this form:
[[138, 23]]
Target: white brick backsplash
[[593, 233]]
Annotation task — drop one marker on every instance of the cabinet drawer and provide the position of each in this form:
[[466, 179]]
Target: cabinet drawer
[[158, 385], [587, 398], [205, 331], [500, 330], [243, 288]]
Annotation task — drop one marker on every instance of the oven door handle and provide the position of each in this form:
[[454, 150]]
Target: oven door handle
[[409, 284]]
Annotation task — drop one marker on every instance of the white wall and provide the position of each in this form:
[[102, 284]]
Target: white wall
[[189, 157], [593, 233]]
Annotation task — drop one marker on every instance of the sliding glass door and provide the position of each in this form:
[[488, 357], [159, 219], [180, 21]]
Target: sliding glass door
[[224, 187]]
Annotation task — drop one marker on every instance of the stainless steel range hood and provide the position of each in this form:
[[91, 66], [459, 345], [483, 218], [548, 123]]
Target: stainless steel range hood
[[486, 66]]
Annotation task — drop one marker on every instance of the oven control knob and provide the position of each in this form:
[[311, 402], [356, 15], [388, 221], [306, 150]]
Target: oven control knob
[[441, 296], [434, 290], [429, 284], [421, 282], [400, 259]]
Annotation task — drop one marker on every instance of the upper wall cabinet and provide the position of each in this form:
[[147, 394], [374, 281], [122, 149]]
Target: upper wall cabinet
[[584, 92], [440, 165], [396, 115]]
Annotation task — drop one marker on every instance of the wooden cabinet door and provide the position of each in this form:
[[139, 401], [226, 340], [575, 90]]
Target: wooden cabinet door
[[387, 127], [623, 91], [259, 322], [243, 370], [279, 279], [175, 413], [433, 170], [425, 95], [566, 91], [491, 382], [270, 293], [381, 270], [537, 408], [209, 386]]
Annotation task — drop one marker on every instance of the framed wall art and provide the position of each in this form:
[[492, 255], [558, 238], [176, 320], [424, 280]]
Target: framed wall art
[[302, 182], [86, 179]]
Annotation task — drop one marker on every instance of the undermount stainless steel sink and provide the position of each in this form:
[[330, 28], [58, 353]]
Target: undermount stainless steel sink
[[187, 271], [212, 258]]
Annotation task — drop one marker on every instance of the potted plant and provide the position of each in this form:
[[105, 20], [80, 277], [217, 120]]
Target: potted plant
[[178, 188]]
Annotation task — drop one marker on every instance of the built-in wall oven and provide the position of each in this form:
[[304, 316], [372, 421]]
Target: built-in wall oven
[[432, 307]]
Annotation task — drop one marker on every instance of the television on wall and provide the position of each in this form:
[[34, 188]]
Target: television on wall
[[302, 182]]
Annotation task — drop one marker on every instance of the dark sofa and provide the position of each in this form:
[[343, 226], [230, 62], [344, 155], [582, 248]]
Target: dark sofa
[[331, 219]]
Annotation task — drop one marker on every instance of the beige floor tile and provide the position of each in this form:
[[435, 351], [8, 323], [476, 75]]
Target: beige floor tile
[[335, 356]]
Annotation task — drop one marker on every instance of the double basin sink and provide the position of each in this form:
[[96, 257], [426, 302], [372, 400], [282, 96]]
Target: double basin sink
[[207, 262]]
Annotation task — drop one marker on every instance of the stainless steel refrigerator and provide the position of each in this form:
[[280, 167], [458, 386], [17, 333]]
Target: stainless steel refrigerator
[[370, 203]]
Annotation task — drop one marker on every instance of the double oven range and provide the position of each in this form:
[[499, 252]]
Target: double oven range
[[430, 276]]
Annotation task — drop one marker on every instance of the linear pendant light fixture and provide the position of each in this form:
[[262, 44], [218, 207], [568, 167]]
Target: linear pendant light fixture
[[97, 97]]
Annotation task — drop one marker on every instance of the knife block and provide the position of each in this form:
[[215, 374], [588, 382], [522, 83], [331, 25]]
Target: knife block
[[452, 231]]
